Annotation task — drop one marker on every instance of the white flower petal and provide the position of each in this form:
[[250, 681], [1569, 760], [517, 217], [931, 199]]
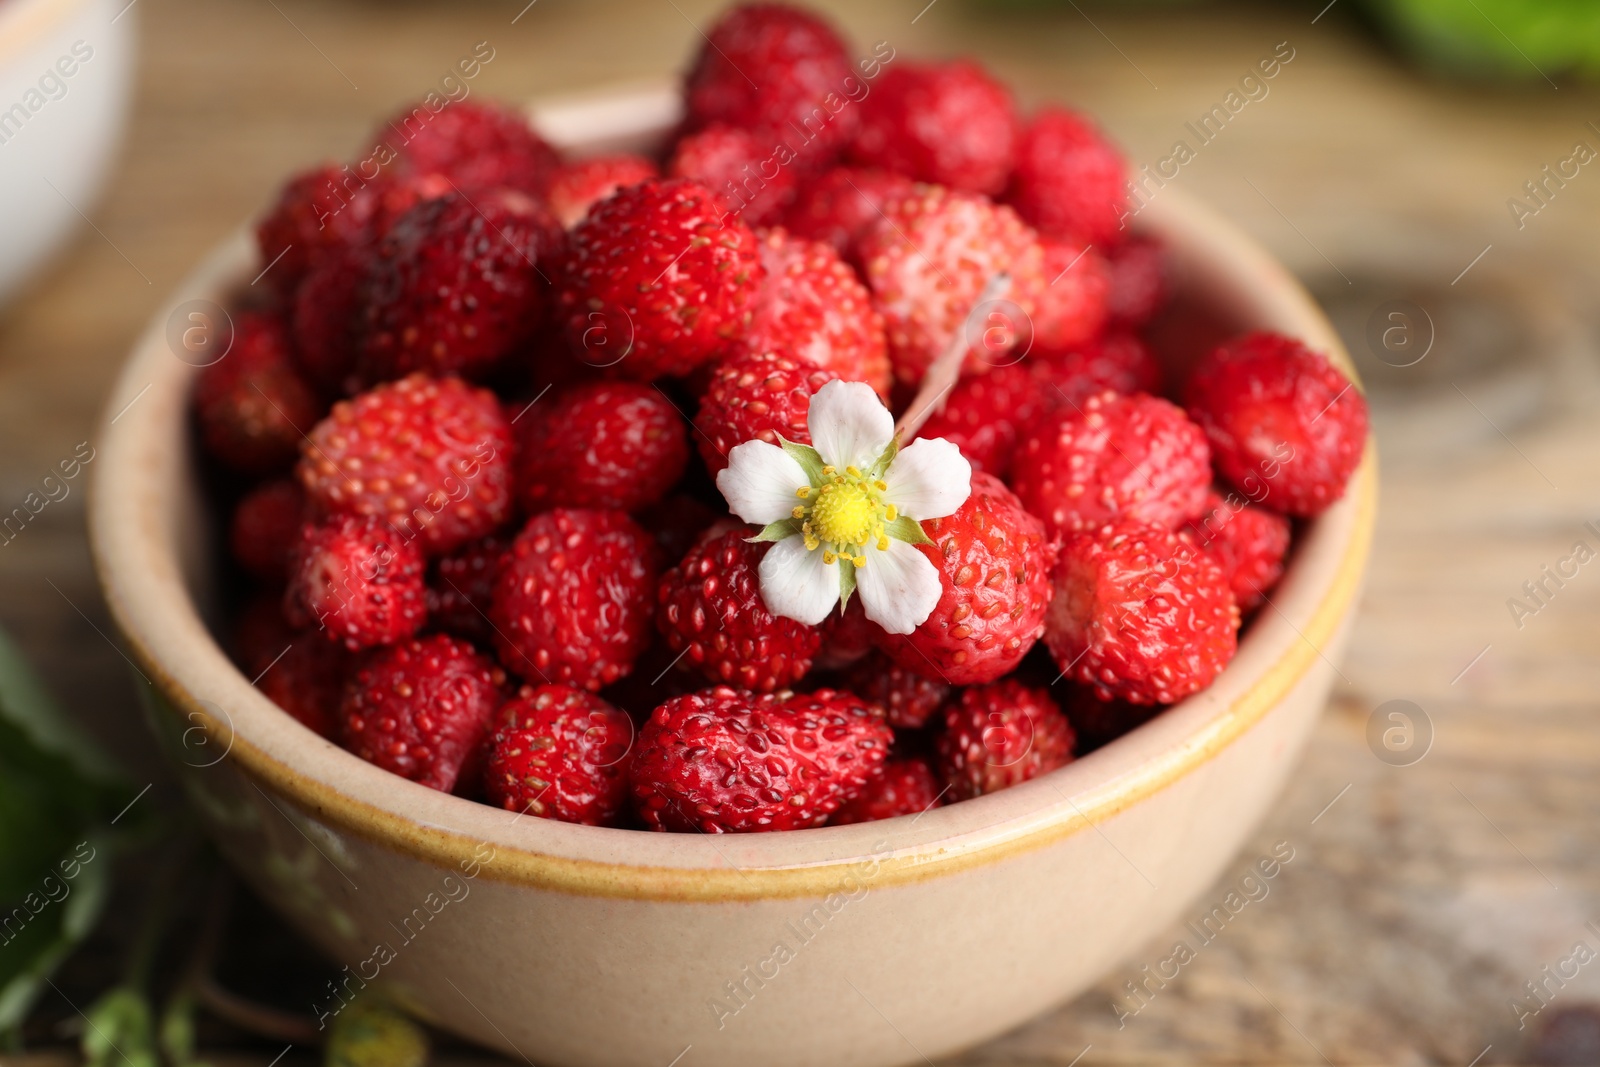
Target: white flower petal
[[849, 424], [899, 587], [759, 482], [929, 479], [796, 584]]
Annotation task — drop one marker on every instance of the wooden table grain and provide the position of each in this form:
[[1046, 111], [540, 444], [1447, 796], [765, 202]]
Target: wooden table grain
[[1421, 898]]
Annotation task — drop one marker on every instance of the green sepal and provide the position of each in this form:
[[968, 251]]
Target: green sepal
[[880, 466], [810, 459], [907, 529], [847, 582], [778, 531]]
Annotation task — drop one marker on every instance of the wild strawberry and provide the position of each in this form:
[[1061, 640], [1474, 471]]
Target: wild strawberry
[[356, 579], [458, 284], [756, 398], [727, 761], [740, 167], [1072, 308], [1099, 722], [574, 598], [1137, 269], [1247, 542], [994, 573], [680, 522], [477, 146], [1286, 427], [318, 210], [985, 414], [1140, 613], [947, 123], [432, 457], [461, 589], [1069, 180], [841, 205], [929, 258], [779, 71], [906, 787], [1136, 456], [813, 306], [326, 315], [600, 445], [295, 669], [1000, 735], [560, 753], [847, 636], [906, 697], [265, 523], [253, 406], [421, 709], [1118, 361], [709, 608], [656, 274], [582, 183]]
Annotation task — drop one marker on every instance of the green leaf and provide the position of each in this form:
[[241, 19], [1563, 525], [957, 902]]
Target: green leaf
[[371, 1033], [777, 531], [177, 1031], [908, 530], [847, 582], [880, 466], [119, 1031], [810, 460]]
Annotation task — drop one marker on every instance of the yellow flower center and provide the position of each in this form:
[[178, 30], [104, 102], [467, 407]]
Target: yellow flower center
[[845, 514]]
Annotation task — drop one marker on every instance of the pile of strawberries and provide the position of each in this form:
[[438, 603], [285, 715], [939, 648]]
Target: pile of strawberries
[[469, 445]]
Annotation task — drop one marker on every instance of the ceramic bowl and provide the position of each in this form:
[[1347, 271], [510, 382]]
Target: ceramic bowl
[[66, 68], [856, 945]]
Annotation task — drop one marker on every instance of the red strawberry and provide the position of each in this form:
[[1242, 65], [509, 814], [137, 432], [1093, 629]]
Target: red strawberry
[[906, 787], [1136, 456], [842, 205], [295, 669], [574, 598], [560, 753], [430, 456], [318, 210], [777, 70], [1137, 270], [252, 404], [579, 185], [1072, 308], [421, 709], [727, 761], [358, 580], [985, 414], [741, 167], [1118, 361], [709, 607], [461, 589], [1000, 735], [1099, 722], [458, 284], [662, 277], [1140, 613], [1070, 182], [477, 146], [994, 570], [1287, 428], [756, 398], [265, 524], [1247, 542], [928, 260], [326, 315], [813, 306], [680, 522], [948, 123], [600, 445], [847, 636], [906, 697]]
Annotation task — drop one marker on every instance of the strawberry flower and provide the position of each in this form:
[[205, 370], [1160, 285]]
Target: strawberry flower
[[845, 512]]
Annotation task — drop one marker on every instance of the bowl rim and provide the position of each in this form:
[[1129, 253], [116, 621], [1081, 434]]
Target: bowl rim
[[136, 500]]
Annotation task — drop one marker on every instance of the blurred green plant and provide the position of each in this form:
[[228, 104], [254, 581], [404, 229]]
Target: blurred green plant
[[372, 1032], [59, 798], [1496, 38]]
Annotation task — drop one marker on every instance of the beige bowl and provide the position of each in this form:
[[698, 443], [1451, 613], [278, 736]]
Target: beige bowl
[[870, 944]]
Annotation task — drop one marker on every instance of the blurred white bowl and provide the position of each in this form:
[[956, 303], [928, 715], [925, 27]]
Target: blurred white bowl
[[66, 68]]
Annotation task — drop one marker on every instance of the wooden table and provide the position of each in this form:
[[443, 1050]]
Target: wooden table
[[1421, 897]]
